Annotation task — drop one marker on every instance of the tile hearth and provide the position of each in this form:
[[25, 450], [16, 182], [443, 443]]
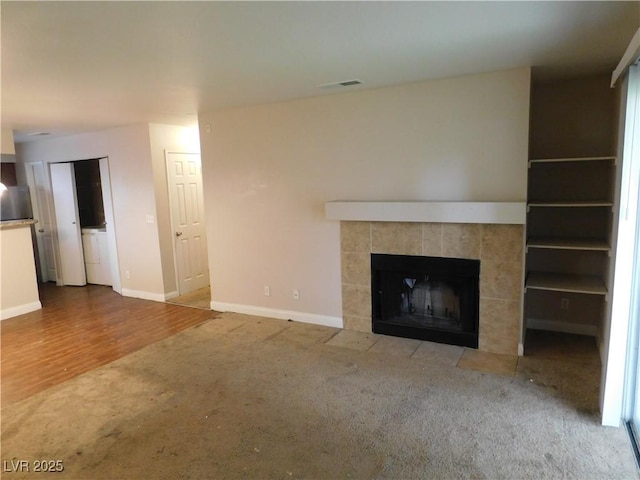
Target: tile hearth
[[498, 247]]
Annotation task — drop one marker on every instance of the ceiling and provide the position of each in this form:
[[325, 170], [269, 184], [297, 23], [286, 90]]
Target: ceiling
[[69, 67]]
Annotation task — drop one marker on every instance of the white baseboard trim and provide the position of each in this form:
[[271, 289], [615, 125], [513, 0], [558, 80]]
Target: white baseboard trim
[[564, 327], [156, 297], [20, 310], [170, 295], [279, 314]]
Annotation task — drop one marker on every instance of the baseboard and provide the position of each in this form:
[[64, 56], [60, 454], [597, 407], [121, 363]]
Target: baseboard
[[170, 295], [156, 297], [279, 314], [564, 327], [20, 310]]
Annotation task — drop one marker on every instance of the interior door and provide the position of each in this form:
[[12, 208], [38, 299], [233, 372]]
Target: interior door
[[65, 202], [184, 173], [38, 186], [107, 203]]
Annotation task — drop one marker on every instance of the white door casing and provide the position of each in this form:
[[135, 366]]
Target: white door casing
[[39, 191], [184, 175], [65, 203]]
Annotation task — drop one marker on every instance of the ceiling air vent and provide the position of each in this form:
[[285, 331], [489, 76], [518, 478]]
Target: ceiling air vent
[[346, 83]]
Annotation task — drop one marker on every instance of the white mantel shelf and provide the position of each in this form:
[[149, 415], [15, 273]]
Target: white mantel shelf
[[510, 213]]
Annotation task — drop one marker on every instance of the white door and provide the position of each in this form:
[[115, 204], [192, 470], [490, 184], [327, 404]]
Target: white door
[[107, 203], [38, 187], [187, 218], [65, 203]]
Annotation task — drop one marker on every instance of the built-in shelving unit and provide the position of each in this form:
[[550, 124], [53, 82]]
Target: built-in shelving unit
[[568, 245], [567, 184]]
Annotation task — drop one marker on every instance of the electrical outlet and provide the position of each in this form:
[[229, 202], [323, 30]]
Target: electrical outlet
[[127, 274], [564, 304], [296, 294], [267, 291]]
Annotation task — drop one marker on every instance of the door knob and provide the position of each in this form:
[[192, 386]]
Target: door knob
[[41, 230], [178, 234]]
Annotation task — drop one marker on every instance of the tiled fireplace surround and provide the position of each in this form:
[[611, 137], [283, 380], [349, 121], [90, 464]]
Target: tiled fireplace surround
[[498, 247]]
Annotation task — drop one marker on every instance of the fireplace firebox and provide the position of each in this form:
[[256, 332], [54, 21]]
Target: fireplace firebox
[[427, 298]]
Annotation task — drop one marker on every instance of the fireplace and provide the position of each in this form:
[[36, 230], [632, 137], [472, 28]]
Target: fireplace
[[427, 298]]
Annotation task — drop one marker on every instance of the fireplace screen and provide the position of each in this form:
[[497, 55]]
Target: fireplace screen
[[428, 298]]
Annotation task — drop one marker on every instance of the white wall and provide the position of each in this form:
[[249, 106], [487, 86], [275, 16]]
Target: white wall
[[132, 182], [19, 286], [174, 139], [269, 169]]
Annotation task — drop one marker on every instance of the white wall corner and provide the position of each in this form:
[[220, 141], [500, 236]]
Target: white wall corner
[[520, 349], [20, 310], [303, 317]]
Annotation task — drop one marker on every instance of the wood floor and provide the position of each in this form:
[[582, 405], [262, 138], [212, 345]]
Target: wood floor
[[78, 330]]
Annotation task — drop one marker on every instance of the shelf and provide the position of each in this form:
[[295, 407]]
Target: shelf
[[580, 204], [566, 283], [574, 159], [568, 243]]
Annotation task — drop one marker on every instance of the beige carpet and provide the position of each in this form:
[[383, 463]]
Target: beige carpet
[[244, 397]]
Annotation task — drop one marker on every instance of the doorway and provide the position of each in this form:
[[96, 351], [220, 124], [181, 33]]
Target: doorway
[[186, 199], [83, 212]]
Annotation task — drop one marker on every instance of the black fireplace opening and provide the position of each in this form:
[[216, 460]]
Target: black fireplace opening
[[427, 298]]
